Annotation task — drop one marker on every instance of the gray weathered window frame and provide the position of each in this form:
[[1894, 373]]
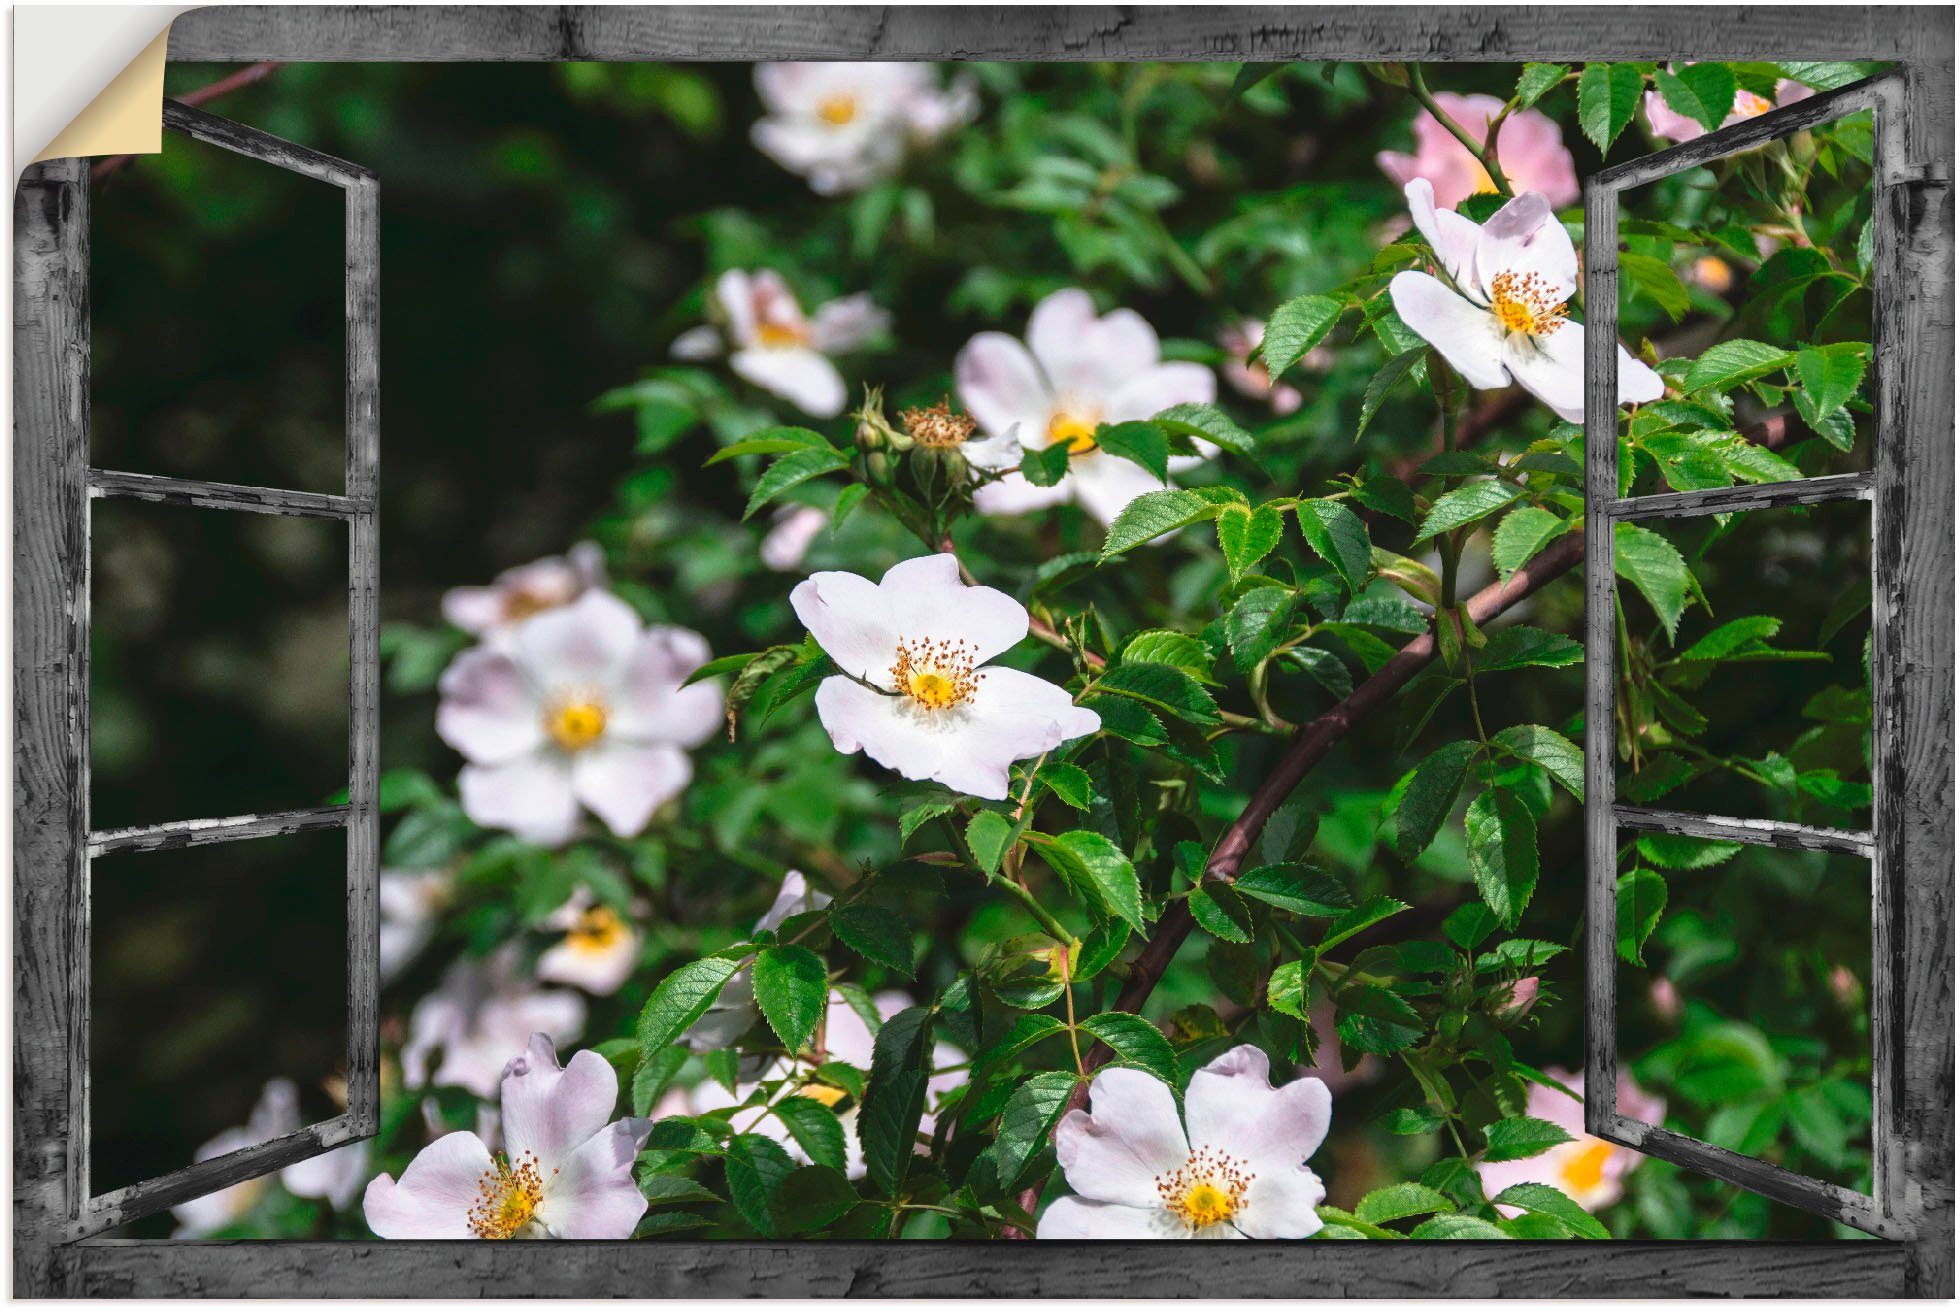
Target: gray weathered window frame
[[1914, 555]]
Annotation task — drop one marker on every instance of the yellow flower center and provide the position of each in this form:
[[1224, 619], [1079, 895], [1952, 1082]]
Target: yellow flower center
[[838, 109], [1525, 303], [1209, 1189], [1079, 432], [1585, 1169], [576, 725], [524, 603], [822, 1093], [599, 930], [507, 1197], [936, 675], [781, 336]]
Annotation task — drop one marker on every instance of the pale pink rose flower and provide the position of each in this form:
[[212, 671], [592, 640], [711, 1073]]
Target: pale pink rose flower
[[519, 593], [843, 126], [789, 539], [1501, 315], [599, 949], [921, 636], [1590, 1171], [1233, 1167], [1239, 341], [566, 1172], [847, 1039], [581, 707], [1677, 127], [774, 345], [412, 903], [1075, 372], [1530, 150], [463, 1033], [334, 1175]]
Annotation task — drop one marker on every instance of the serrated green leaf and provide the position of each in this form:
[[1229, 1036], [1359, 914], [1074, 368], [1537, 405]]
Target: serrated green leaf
[[1467, 505], [812, 1197], [1352, 922], [1830, 376], [895, 1097], [1518, 646], [1140, 442], [1247, 536], [1518, 1137], [1726, 364], [1558, 755], [1652, 564], [757, 1166], [1609, 95], [1469, 925], [654, 1075], [680, 999], [815, 1128], [1163, 688], [792, 470], [987, 837], [1502, 841], [1202, 419], [874, 933], [1521, 535], [1028, 1029], [1547, 1201], [1639, 898], [1704, 92], [1300, 889], [1536, 80], [1137, 1042], [1296, 328], [1260, 620], [1184, 651], [1098, 870], [1429, 797], [1044, 466], [791, 987], [772, 441], [1154, 514], [1220, 912], [1385, 378], [1396, 1201], [1070, 783], [1026, 1121], [1338, 537], [1459, 1226]]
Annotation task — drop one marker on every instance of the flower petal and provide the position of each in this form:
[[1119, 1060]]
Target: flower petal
[[531, 797], [593, 1195], [701, 342], [737, 300], [851, 620], [1104, 485], [473, 609], [1130, 1135], [1084, 1218], [598, 971], [489, 709], [1002, 387], [1638, 383], [550, 1110], [1174, 382], [1452, 236], [927, 599], [793, 899], [1552, 367], [798, 375], [1280, 1203], [1525, 238], [1014, 495], [1468, 335], [625, 783], [1084, 355], [648, 700], [847, 323], [335, 1175], [1013, 716], [884, 729], [432, 1200], [1232, 1106], [585, 642]]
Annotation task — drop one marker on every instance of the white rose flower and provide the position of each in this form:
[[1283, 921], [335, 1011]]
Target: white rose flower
[[1500, 318], [846, 125], [916, 699], [334, 1175], [1234, 1168], [517, 594], [772, 344], [1075, 372], [463, 1033], [599, 950], [580, 707]]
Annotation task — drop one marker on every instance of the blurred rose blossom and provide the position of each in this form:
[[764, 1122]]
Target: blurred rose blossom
[[790, 537], [1530, 150], [464, 1032], [1678, 127], [519, 593], [335, 1175], [844, 126], [1239, 341], [599, 949], [1591, 1171], [774, 345]]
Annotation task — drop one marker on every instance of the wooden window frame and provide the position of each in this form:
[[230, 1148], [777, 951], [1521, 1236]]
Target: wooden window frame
[[1913, 835]]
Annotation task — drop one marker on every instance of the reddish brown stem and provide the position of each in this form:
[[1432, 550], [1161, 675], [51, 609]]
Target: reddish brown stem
[[244, 77]]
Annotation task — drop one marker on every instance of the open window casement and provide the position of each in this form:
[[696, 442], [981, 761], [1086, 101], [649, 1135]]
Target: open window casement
[[57, 845], [1906, 695]]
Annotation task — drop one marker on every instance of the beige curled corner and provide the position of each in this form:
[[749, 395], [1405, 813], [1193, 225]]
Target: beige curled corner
[[88, 80]]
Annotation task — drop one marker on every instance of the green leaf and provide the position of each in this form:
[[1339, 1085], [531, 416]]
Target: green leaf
[[757, 1166], [1260, 620], [1518, 1137], [1220, 912], [1517, 646], [1137, 1042], [1704, 92], [1044, 466], [772, 442], [680, 999], [1028, 1029], [1467, 505], [923, 813], [1725, 364], [1469, 925], [673, 1190], [1140, 442], [1461, 1227], [1412, 1120], [1247, 536], [1286, 989], [812, 1197], [1657, 280], [1162, 688], [1680, 852], [1429, 797], [791, 987], [1609, 95], [1296, 328], [1397, 1201], [1338, 537], [1098, 869], [1521, 535], [1300, 889], [1547, 1201], [987, 837], [654, 1074], [1350, 923], [1650, 562], [1639, 898], [1154, 514], [1502, 841], [1830, 376], [1169, 647], [1201, 419], [895, 1097], [815, 1128], [1385, 378], [1535, 81], [847, 501], [1070, 783], [1377, 1020], [796, 468], [874, 933], [1026, 1121], [1558, 755]]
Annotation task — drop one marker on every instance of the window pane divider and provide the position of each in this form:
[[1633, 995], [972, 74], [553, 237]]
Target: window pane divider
[[1756, 833], [1748, 496], [228, 829], [224, 496]]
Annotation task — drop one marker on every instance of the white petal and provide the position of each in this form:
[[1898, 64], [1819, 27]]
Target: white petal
[[593, 1195], [1014, 495], [993, 453], [1525, 238], [432, 1200], [797, 374], [886, 729], [1233, 1107], [927, 599], [473, 609], [1468, 335], [1104, 485], [598, 971], [1083, 1218], [1638, 383], [1002, 387], [1160, 387], [1130, 1135], [624, 783], [737, 300], [1280, 1203], [847, 323], [1085, 355], [531, 797], [648, 701], [489, 711], [335, 1176], [851, 620], [584, 643], [700, 342], [1552, 367], [1013, 716], [785, 545], [1452, 236], [550, 1110]]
